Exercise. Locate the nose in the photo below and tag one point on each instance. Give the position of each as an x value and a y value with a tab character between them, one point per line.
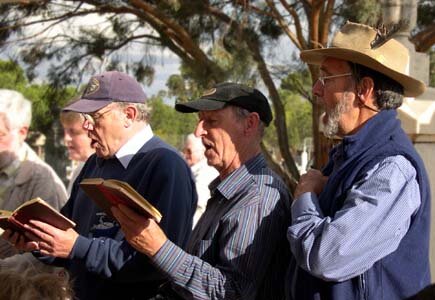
199	130
317	89
67	137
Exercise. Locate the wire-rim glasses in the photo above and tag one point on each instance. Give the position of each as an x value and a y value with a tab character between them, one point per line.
91	118
323	78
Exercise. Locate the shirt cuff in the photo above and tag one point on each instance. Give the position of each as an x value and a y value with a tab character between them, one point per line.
169	259
80	248
306	204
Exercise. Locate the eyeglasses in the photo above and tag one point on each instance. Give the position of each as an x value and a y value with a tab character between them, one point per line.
323	78
90	119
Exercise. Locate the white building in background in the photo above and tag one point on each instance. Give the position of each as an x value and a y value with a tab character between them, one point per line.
417	115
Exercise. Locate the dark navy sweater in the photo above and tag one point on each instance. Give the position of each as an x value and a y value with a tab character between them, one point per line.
102	264
401	273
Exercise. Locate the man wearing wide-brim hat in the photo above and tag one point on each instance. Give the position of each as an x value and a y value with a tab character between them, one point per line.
360	228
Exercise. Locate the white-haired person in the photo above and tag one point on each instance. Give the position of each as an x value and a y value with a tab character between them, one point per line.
203	174
23	175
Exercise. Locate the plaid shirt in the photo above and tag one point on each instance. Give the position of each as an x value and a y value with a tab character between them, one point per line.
238	249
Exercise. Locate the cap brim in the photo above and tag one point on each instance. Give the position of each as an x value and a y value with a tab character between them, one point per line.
198	105
86	105
412	87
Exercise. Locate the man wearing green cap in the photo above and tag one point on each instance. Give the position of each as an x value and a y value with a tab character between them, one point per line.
360	228
237	250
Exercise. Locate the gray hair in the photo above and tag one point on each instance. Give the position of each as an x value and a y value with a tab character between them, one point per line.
388	92
17	110
242	113
144	110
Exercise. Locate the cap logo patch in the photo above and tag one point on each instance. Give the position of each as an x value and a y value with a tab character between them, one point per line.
93	86
209	92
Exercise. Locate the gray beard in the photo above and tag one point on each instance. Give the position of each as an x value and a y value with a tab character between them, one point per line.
331	127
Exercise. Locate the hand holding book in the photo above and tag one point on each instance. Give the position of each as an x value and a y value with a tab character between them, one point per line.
34	209
110	192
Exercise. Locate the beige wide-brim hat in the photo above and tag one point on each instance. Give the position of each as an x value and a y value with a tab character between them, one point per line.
352	43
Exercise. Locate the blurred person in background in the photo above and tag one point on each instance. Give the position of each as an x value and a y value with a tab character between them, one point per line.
23	277
203	174
76	141
23	175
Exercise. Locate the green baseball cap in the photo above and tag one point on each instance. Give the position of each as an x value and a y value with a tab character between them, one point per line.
229	93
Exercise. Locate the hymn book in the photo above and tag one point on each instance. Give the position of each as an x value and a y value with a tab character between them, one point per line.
34	209
111	192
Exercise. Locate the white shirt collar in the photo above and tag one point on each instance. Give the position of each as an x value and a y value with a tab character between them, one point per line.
129	149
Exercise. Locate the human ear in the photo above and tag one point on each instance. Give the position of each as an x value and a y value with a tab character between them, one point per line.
365	89
252	122
23	132
130	114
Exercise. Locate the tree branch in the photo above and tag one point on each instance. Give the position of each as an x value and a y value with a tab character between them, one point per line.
284	26
298	25
424	39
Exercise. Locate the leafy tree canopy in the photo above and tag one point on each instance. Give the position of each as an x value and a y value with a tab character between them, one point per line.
215	40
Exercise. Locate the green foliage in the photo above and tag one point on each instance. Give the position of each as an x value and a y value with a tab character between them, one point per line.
425	12
361	11
298	117
12	76
298	113
46	102
46	105
170	125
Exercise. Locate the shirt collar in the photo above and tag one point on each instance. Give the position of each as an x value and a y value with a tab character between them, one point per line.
129	149
199	166
239	178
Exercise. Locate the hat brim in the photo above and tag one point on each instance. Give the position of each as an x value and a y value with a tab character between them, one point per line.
412	87
198	105
87	105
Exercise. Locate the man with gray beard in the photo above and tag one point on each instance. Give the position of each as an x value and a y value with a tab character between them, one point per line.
360	227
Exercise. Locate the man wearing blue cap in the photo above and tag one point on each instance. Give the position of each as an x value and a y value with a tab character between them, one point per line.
102	264
237	249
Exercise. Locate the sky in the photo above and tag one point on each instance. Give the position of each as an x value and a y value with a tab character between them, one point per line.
165	62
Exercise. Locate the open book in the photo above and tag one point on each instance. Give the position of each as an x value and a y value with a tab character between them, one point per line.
110	192
34	209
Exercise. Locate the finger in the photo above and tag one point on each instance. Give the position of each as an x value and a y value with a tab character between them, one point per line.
125	222
25	245
43	227
129	213
45	247
7	234
119	215
14	238
45	252
131	216
34	234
